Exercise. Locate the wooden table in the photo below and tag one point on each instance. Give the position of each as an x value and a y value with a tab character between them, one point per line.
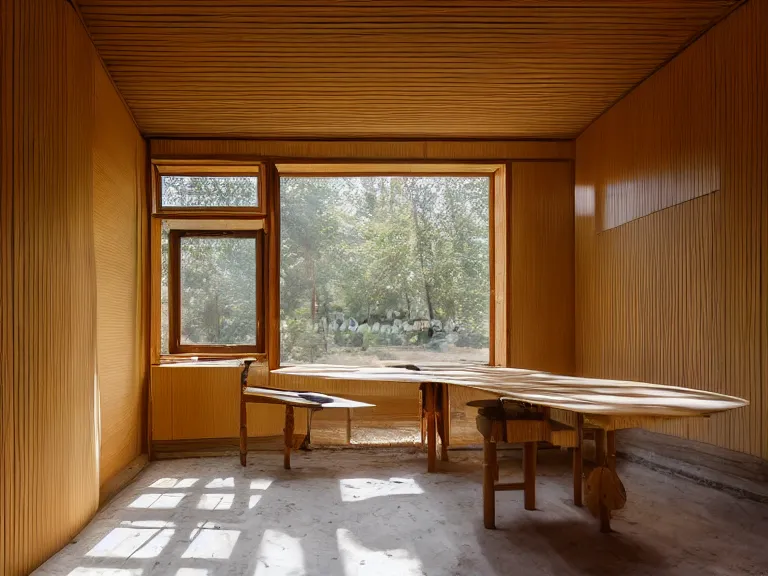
599	405
291	399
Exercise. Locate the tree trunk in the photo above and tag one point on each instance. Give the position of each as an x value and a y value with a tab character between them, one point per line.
420	249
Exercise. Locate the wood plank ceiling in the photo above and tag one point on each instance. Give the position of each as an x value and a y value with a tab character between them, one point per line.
391	68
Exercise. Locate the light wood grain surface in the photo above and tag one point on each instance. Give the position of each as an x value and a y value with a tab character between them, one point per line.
49	471
585	395
119	212
457	68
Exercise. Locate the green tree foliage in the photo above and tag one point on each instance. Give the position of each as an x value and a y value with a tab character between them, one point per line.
371	267
218	290
383	267
193	191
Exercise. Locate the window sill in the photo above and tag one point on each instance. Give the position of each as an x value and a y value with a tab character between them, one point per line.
211	359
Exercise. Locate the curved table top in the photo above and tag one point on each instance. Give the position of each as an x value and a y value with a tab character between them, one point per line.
584	395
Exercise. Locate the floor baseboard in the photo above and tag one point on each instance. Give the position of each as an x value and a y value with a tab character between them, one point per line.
739	474
111	487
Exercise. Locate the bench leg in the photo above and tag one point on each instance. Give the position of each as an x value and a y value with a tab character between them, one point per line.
578	462
288	437
489	490
529	474
243	433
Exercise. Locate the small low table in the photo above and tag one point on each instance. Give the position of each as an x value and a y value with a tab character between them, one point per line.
313	401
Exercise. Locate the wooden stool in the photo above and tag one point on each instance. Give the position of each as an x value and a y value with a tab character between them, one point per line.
514	423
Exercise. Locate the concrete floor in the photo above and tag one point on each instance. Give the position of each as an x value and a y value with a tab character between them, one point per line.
376	512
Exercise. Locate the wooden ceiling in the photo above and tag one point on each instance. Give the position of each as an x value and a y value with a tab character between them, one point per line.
387	68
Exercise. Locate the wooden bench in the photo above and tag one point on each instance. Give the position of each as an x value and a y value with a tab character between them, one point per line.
312	401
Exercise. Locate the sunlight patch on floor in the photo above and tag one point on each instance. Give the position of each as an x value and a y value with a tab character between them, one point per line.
132	543
261	483
215	501
148	523
221	483
82	571
280	555
174	483
157	501
210	543
361	561
358	489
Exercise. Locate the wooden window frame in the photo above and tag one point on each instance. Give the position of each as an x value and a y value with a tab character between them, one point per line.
269	171
175	347
498	217
255	169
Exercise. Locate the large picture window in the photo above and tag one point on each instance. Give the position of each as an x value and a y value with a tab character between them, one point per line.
384	268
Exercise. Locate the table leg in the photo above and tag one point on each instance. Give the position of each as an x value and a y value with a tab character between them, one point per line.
444	419
600	447
578	462
288	437
610	457
529	474
600	457
429	391
349	425
489	490
243	432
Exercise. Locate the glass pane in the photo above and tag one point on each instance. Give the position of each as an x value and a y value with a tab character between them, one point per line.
218	290
164	316
210	191
384	269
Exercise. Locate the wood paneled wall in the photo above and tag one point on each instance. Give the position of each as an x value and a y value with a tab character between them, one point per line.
671	205
120	227
7	24
49	425
58	120
541	269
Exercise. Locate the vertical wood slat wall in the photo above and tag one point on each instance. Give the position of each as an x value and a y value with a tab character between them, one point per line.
49	448
119	215
671	208
541	271
49	422
6	275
